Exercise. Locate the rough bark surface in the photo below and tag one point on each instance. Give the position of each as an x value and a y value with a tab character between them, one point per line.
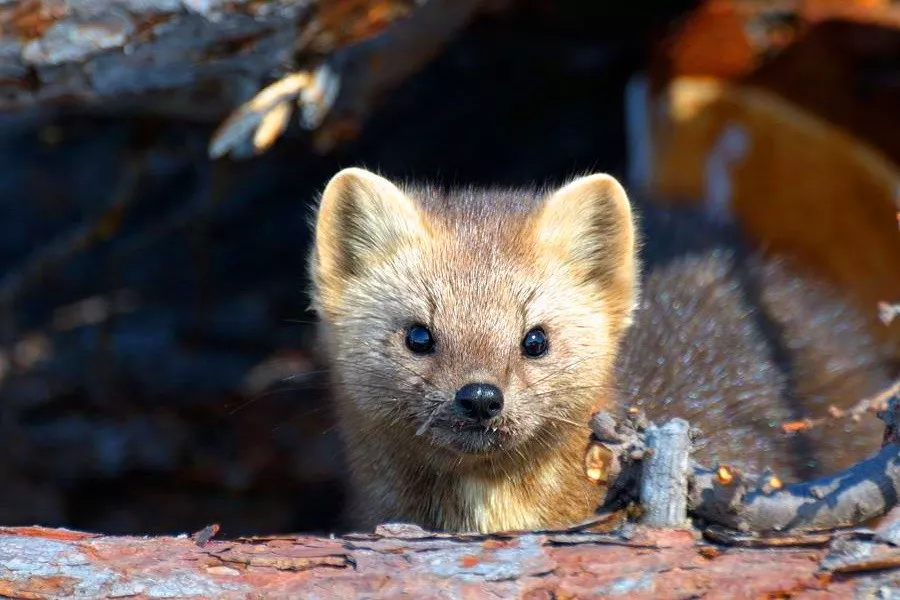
51	50
399	560
664	478
61	51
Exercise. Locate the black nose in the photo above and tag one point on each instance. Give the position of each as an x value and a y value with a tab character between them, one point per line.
479	401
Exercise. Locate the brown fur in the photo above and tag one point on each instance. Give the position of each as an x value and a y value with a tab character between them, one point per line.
480	269
736	343
739	343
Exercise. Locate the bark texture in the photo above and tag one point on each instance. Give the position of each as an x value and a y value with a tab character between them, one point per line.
400	560
54	50
726	498
200	59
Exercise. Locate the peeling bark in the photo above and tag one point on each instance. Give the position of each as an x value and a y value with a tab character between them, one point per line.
403	560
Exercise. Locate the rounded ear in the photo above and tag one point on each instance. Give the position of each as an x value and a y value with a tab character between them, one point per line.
362	219
588	224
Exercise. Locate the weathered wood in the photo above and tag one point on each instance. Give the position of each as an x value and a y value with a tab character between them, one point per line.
202	59
724	497
403	561
664	476
398	559
56	50
339	92
849	498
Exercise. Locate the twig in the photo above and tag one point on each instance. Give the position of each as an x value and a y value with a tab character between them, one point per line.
725	497
872	404
202	537
334	96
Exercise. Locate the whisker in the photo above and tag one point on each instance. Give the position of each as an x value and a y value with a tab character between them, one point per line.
258	396
301	321
397	362
560	371
562	420
430	419
578	388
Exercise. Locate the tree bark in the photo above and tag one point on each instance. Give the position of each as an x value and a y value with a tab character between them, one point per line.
655	460
57	50
664	476
404	560
202	58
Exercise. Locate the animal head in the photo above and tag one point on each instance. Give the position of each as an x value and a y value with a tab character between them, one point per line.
473	322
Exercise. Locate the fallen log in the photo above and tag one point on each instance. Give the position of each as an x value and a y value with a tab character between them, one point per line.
202	59
623	453
403	561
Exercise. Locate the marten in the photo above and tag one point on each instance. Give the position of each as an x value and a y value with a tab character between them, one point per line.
472	333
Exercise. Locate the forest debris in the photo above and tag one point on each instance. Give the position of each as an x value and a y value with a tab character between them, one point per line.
655	565
204	535
200	62
724	475
402	559
872	404
766	507
597	462
664	475
729	537
887	312
860	551
769	483
343	87
848	498
297	559
617	465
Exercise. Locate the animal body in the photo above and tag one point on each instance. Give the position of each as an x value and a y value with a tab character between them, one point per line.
471	333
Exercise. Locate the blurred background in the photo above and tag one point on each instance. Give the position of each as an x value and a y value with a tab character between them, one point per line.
158	370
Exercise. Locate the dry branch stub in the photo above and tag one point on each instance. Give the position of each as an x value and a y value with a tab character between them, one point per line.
337	91
727	499
327	58
664	476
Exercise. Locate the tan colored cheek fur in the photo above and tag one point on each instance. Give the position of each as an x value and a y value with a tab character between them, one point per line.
473	262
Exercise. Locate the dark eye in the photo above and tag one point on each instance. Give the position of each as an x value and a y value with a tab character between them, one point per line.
419	339
535	343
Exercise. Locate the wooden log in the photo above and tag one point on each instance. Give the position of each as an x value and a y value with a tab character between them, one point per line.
404	561
201	59
65	51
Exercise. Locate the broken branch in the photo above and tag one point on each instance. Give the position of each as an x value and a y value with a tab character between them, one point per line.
870	405
335	95
725	497
665	474
196	60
